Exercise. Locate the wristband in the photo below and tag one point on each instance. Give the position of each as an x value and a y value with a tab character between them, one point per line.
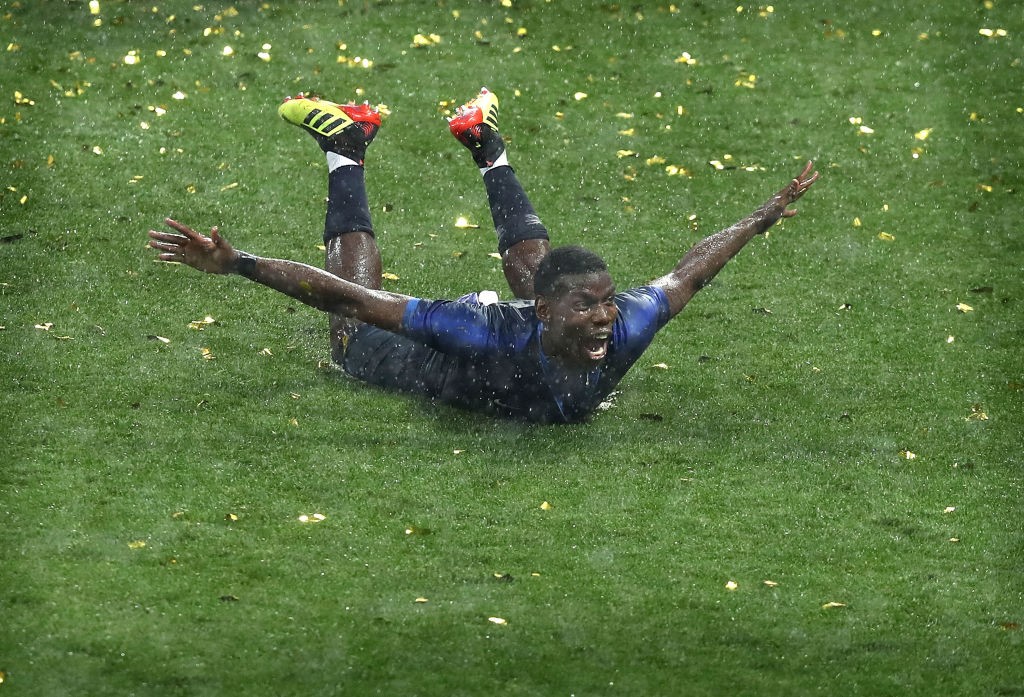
245	265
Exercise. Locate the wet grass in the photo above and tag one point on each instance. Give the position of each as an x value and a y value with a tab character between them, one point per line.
832	436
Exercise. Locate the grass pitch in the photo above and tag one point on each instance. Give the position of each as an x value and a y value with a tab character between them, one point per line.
811	484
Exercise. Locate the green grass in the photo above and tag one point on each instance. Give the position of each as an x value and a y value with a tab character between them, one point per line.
773	448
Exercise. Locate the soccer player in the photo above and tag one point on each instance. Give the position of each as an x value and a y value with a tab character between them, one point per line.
552	355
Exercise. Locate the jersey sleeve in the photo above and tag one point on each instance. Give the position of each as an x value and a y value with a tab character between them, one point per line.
642	312
450	327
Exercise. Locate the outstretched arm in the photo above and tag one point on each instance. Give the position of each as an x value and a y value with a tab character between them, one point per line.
310	285
707	257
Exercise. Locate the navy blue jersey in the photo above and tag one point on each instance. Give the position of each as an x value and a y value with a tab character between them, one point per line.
489	357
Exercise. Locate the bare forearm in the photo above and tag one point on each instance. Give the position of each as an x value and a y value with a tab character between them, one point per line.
706	258
322	290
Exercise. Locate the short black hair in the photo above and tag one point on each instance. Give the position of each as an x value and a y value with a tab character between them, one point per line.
570	260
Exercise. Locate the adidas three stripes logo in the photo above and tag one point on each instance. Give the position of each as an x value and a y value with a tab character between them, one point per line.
321	122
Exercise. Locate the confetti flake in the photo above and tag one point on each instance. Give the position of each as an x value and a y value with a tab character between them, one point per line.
462	222
923	134
770	584
137	544
964	308
421	599
747	80
908	455
731	586
425	40
545	506
497	620
314	518
201	324
390	276
977	413
886	237
832	605
949	509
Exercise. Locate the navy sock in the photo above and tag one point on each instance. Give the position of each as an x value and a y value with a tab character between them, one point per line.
513	215
348	208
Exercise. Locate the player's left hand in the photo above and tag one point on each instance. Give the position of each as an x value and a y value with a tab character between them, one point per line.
212	254
796	188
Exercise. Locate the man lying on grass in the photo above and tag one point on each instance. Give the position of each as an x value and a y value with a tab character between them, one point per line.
552	355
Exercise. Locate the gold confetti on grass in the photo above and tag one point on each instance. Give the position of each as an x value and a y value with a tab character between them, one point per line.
545	506
731	586
201	324
832	605
862	128
908	455
462	222
137	544
949	509
770	584
425	40
746	80
313	518
977	413
964	308
497	620
886	237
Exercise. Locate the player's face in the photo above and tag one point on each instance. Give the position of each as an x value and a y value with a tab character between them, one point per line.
578	320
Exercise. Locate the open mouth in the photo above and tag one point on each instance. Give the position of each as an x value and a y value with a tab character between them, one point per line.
596	348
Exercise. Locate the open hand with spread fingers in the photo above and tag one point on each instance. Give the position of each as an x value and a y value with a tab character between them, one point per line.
212	254
796	188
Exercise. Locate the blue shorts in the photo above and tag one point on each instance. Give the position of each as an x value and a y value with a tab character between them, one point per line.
392	361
